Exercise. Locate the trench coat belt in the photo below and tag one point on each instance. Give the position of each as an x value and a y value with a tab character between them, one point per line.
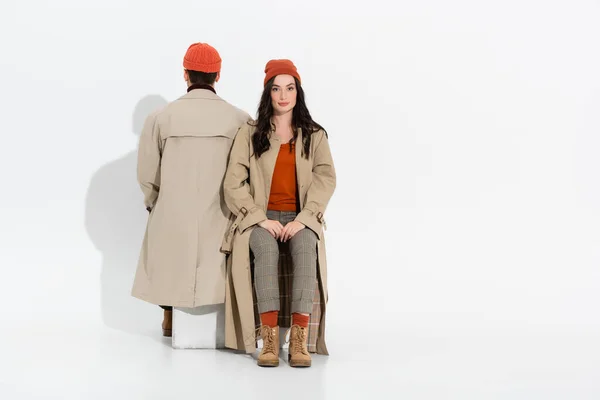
228	239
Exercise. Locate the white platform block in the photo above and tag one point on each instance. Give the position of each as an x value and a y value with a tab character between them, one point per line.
199	328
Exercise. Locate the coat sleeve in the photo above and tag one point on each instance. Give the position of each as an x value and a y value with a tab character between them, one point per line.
236	187
149	157
322	187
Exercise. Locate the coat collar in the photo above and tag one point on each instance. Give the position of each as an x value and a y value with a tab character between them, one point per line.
201	94
201	86
276	143
274	138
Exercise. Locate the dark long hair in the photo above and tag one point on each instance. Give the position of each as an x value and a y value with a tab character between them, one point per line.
300	119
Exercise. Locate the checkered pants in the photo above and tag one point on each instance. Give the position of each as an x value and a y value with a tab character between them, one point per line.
303	250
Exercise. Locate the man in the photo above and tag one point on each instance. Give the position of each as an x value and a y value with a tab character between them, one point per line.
182	159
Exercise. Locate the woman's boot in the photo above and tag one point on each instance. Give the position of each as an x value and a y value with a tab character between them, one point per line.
299	356
269	355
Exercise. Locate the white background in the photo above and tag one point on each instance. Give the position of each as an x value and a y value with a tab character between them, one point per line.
463	238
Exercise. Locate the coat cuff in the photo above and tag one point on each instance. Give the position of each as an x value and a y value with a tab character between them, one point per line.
242	221
251	218
312	221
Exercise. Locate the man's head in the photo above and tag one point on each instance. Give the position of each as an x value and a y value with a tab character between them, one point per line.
202	64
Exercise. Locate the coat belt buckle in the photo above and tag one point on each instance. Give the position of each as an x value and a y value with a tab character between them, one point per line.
321	220
320	217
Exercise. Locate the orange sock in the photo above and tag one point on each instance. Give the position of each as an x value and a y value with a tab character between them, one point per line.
270	318
301	320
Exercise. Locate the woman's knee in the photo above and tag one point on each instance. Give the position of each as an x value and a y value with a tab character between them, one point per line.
304	239
262	241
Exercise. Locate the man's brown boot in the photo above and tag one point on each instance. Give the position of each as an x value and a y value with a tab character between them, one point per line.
167	324
269	355
299	356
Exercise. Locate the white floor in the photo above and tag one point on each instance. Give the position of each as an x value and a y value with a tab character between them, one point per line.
367	362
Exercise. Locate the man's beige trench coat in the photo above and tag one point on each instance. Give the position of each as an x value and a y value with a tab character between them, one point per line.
247	187
182	159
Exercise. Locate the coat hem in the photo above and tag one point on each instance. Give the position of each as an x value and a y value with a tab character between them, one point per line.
165	302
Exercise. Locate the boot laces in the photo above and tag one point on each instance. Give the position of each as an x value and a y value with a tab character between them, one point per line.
268	337
298	341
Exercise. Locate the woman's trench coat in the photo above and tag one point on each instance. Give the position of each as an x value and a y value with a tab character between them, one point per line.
247	186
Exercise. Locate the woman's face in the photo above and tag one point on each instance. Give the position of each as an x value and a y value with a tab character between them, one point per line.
283	94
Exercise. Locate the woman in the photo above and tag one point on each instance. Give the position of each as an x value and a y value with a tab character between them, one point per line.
278	182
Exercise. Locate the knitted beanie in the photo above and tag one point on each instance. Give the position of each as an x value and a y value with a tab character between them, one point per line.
280	67
202	57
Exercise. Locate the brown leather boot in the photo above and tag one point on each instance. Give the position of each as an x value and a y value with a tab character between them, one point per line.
167	324
269	355
298	351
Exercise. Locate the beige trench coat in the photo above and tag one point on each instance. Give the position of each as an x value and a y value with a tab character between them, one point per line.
182	159
247	187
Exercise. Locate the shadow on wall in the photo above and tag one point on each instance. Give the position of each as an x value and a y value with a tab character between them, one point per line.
115	221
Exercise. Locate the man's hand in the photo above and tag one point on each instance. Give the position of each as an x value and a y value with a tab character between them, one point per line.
291	229
274	227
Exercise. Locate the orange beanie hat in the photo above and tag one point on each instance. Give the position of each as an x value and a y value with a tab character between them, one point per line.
202	57
280	67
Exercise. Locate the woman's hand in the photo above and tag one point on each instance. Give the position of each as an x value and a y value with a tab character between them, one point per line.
291	229
274	227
